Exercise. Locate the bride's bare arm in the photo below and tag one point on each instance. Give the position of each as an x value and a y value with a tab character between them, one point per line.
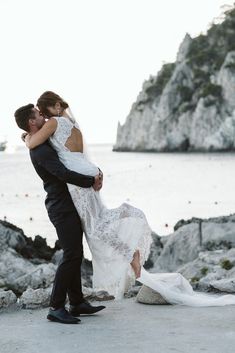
42	135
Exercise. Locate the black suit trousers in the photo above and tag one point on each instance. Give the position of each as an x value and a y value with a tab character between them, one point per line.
68	275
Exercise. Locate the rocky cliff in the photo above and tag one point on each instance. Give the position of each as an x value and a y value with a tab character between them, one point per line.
190	104
202	250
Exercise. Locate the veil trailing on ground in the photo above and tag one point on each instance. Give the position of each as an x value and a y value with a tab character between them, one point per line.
175	289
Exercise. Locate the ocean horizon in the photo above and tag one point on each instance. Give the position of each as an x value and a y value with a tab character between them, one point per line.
168	187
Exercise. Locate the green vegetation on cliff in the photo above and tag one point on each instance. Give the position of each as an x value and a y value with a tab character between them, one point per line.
211	49
205	55
158	84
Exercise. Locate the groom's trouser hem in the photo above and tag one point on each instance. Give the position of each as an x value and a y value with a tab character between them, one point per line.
68	275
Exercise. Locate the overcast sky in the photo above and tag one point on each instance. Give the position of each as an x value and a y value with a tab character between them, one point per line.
94	53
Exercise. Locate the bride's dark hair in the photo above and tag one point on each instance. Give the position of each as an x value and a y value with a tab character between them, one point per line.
49	99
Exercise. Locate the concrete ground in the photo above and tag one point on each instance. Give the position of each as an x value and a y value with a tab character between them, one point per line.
123	327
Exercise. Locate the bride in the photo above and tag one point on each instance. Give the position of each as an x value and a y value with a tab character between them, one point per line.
119	239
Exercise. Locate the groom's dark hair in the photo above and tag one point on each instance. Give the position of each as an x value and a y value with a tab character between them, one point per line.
22	116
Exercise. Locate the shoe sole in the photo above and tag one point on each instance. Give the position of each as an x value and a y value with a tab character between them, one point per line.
54	319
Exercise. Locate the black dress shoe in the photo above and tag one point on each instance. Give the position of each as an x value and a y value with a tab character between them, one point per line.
84	308
62	315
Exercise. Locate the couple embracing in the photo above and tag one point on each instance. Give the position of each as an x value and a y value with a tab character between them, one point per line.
119	239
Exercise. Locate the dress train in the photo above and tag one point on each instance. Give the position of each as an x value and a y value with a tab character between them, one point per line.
175	289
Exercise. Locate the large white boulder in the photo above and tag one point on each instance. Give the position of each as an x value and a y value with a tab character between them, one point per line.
35	298
7	299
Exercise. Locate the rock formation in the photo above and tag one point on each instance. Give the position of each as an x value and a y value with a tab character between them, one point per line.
189	105
27	269
202	250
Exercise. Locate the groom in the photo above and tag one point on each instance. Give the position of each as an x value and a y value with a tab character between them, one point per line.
63	215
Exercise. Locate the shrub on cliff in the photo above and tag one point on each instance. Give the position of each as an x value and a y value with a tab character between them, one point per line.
161	80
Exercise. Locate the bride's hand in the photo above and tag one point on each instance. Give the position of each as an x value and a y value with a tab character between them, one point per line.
101	177
98	183
26	138
101	180
23	136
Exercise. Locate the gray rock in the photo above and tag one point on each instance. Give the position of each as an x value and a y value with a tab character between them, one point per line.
86	272
155	250
206	121
227	80
35	298
217	256
92	295
19	269
204	284
147	295
132	292
18	273
11	237
220	219
40	277
203	251
56	258
181	247
195	270
208	266
13	266
218	235
7	299
224	285
36	250
184	47
2	283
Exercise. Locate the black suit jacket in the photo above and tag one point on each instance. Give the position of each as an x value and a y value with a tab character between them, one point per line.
55	176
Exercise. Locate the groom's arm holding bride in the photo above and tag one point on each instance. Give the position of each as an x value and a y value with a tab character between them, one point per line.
46	157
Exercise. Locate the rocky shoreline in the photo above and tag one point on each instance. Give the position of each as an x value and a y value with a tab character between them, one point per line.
202	250
27	270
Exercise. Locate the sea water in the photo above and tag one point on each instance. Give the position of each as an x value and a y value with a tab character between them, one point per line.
166	186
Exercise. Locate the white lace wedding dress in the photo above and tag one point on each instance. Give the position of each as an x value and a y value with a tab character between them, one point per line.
113	235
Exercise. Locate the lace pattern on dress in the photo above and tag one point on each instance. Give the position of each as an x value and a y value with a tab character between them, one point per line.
62	133
103	224
111	233
107	229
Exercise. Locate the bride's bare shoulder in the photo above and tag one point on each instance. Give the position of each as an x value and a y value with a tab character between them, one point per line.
52	122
